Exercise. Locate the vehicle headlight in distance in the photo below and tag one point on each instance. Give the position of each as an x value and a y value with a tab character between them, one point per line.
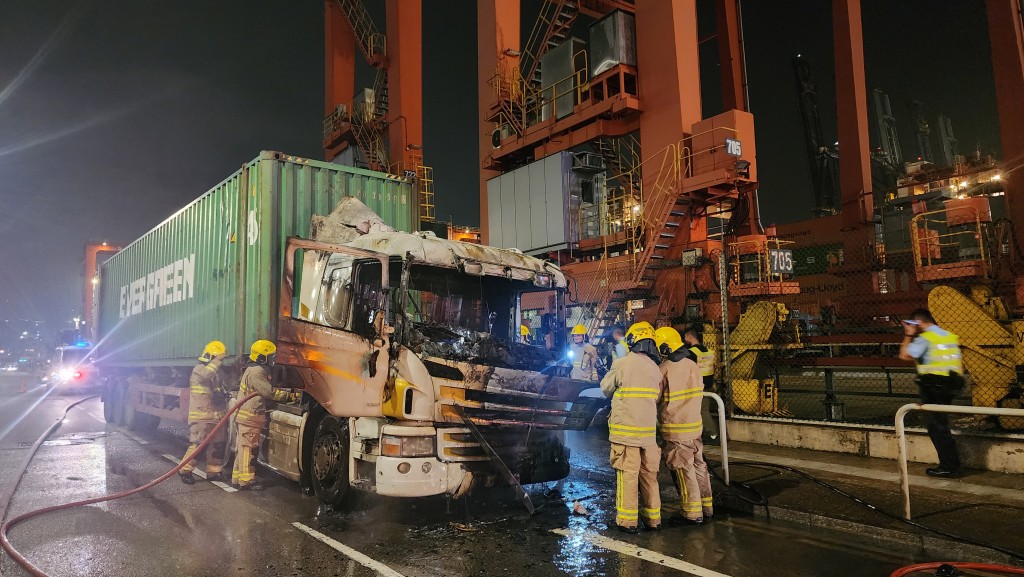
66	374
394	446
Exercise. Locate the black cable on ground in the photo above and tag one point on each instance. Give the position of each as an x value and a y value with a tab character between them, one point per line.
858	500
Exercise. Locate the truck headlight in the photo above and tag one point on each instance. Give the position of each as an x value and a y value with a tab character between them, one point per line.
393	446
66	374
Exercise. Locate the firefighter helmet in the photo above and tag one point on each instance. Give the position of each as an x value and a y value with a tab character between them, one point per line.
211	350
262	351
638	332
668	340
579	330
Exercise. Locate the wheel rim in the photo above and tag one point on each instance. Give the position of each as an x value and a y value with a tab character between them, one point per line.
327	452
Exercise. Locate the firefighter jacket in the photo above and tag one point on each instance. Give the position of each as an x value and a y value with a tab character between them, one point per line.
584	361
256	379
681	401
634	384
206	398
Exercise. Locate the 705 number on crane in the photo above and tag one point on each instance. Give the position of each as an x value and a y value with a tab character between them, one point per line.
780	261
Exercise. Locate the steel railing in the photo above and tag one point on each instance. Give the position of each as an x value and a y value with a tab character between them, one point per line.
722	433
901	435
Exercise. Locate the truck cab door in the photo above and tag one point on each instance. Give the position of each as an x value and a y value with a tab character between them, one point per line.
333	327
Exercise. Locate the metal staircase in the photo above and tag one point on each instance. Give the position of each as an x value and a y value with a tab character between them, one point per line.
551	29
368	39
620	156
663	213
368	128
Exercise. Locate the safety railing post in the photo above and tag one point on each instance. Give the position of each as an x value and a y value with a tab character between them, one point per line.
723	282
901	435
723	434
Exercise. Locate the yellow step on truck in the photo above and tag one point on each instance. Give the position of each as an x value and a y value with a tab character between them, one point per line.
407	346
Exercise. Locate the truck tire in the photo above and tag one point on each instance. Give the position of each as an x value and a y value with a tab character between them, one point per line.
116	397
329	461
111	413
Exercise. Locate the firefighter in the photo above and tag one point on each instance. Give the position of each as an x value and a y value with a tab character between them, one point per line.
681	427
252	416
705	360
582	355
524	334
207	402
634	384
939	379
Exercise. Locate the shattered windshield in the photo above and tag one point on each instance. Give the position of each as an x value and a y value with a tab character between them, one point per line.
475	318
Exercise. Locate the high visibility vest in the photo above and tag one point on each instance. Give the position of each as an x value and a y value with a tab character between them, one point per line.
943	355
705	361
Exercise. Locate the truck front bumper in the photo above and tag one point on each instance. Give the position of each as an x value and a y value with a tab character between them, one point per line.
423	476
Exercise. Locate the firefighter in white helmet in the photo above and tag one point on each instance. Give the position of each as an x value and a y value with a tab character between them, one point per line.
635	385
681	426
252	416
582	355
207	402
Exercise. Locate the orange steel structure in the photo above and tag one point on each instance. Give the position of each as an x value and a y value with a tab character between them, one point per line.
94	256
678	176
389	128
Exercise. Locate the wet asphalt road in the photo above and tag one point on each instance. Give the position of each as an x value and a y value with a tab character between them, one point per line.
203	530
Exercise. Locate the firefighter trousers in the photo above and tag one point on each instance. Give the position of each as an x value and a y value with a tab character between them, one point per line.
689	471
636	471
214	451
246	445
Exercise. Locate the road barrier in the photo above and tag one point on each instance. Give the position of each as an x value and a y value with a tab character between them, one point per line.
901	435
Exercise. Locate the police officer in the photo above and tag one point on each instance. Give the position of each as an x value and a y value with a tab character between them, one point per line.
252	415
705	360
582	355
939	379
681	427
634	384
207	402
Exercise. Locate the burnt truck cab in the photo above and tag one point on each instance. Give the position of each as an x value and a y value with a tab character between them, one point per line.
416	382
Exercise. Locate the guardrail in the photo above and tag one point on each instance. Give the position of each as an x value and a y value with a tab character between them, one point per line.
901	435
723	435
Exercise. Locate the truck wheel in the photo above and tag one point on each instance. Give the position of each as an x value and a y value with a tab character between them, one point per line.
116	400
134	420
110	411
329	461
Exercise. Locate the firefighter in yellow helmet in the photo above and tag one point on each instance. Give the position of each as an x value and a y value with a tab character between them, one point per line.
207	402
681	426
634	384
252	416
582	355
524	334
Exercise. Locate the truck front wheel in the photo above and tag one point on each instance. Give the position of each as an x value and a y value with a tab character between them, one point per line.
329	461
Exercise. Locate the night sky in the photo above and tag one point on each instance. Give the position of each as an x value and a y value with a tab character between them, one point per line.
115	114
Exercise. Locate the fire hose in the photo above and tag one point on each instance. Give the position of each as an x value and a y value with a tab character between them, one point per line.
7	526
949	569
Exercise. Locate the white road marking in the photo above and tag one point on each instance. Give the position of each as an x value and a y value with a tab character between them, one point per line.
133	436
202	474
641	553
351	553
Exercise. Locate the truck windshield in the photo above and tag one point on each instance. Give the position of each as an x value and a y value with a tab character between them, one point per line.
479	319
448	298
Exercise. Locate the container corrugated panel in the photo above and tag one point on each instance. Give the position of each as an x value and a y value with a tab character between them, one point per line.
213	269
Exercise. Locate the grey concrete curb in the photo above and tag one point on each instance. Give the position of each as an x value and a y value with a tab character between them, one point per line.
939	546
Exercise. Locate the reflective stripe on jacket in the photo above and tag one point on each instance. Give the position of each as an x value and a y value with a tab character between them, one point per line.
681	401
705	360
634	384
942	356
256	379
203	407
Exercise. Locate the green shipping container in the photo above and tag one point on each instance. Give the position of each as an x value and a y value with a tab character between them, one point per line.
213	269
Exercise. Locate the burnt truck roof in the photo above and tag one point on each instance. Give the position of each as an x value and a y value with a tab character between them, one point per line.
424	246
